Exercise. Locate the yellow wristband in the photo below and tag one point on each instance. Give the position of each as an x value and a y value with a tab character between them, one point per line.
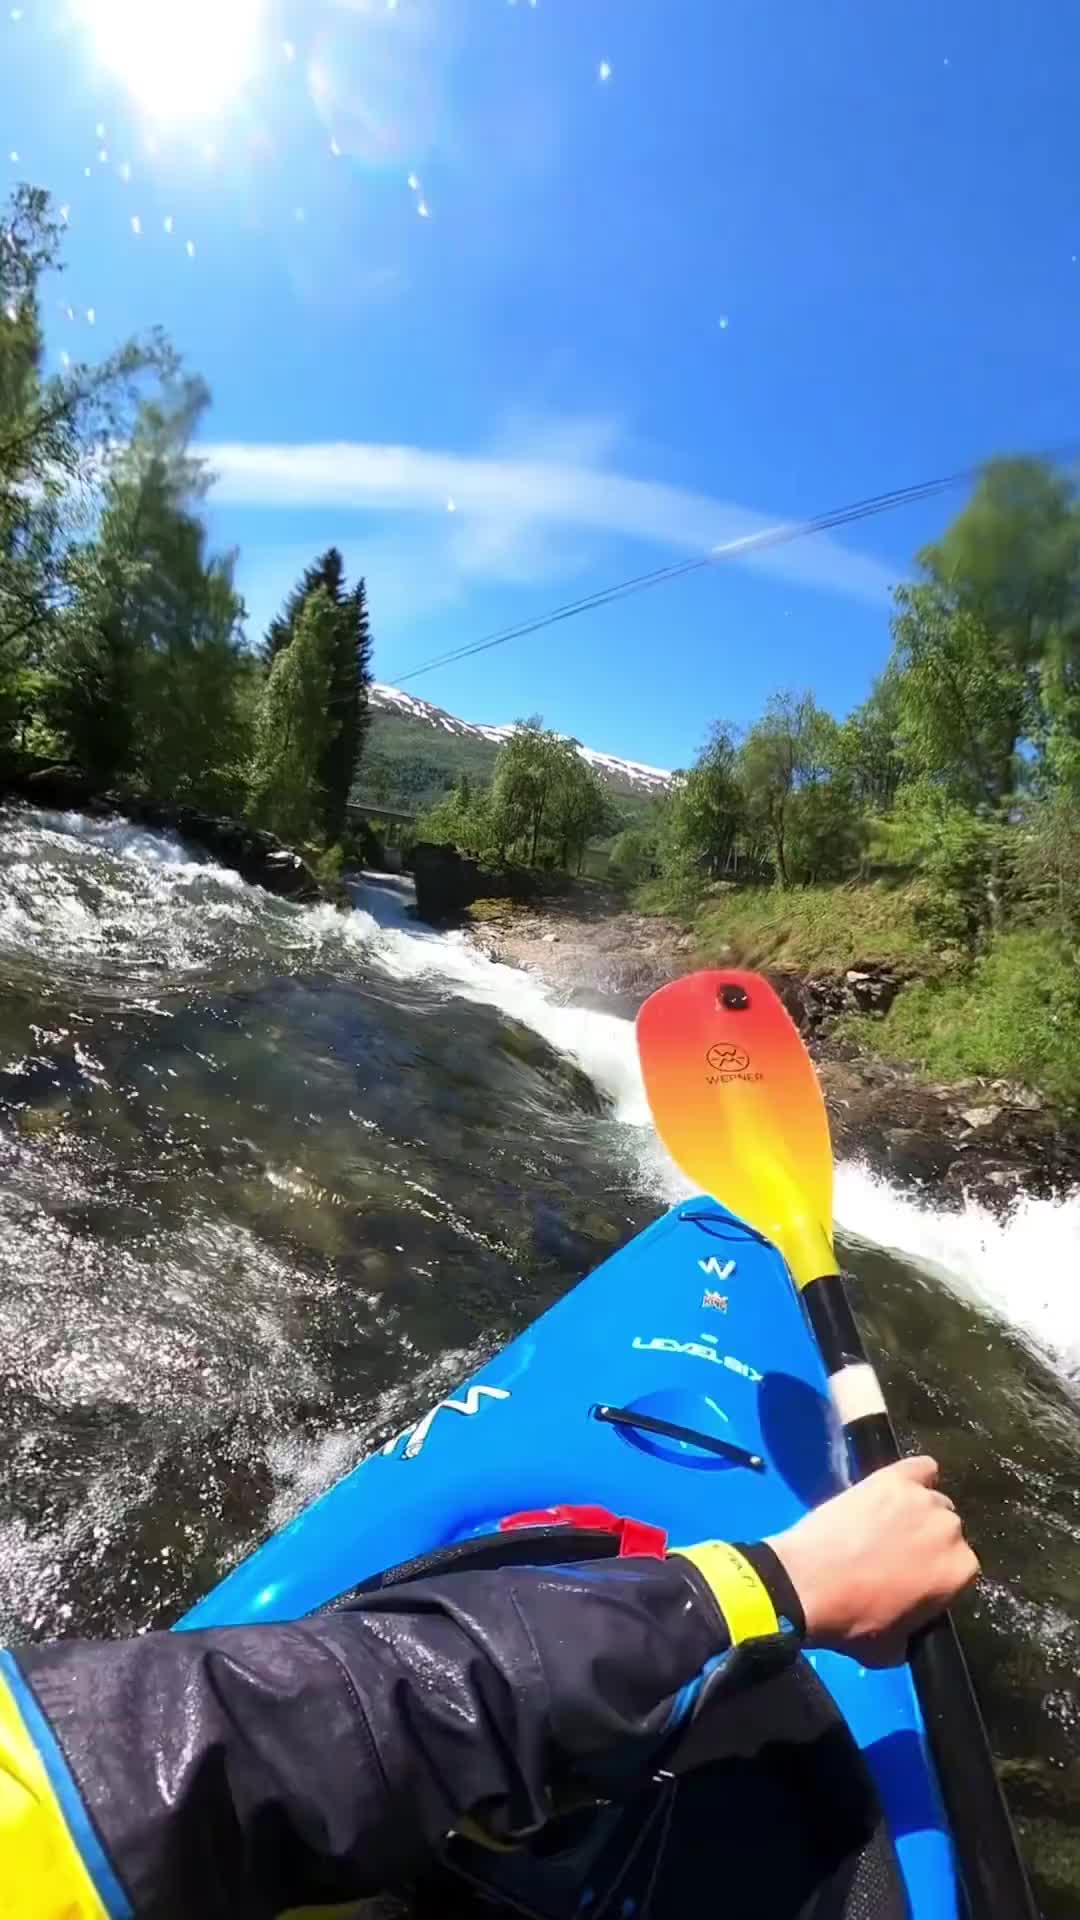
741	1595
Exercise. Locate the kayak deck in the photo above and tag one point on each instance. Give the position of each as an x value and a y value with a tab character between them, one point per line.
679	1384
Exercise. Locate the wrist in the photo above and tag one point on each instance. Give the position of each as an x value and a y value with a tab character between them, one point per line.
798	1569
750	1585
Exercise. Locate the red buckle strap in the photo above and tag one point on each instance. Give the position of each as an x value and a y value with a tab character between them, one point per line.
635	1536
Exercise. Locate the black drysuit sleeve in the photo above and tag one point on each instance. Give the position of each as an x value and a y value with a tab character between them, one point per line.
237	1773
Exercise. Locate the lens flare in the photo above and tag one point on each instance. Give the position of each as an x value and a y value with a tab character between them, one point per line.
181	59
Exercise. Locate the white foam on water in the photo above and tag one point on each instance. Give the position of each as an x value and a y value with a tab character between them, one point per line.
1021	1267
602	1044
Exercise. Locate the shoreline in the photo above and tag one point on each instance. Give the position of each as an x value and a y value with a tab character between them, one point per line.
983	1140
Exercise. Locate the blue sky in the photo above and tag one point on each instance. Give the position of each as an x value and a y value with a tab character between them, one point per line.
620	279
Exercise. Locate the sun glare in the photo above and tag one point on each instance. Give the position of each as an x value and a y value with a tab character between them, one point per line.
181	59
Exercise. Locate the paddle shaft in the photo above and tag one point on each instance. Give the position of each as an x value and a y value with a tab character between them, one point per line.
992	1871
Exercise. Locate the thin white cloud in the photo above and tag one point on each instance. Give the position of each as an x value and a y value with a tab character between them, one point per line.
501	502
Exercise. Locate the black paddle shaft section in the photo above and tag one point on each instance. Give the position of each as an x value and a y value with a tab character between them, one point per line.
994	1880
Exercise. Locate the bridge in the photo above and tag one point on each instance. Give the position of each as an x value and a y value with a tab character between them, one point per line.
385	816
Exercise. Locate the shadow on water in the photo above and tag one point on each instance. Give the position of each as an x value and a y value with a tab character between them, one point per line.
273	1178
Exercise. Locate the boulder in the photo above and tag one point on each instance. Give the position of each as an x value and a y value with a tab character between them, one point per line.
446	882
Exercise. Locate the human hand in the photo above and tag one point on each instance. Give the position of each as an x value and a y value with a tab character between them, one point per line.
877	1562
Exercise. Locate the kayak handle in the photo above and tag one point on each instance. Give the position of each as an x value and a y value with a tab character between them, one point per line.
670	1430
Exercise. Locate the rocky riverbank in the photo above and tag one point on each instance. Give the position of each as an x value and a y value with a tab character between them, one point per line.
986	1140
257	857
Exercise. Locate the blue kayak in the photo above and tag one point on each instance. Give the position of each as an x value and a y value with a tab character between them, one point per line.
678	1384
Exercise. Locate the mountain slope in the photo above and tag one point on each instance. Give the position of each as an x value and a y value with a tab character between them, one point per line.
415	751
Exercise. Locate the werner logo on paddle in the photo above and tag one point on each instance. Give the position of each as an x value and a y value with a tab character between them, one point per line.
728	1062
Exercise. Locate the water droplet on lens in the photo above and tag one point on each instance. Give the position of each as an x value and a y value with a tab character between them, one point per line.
423	210
724	322
91	316
168	223
136	225
191	249
414	182
604	70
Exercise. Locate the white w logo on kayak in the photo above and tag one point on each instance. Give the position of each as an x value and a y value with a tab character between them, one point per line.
415	1436
717	1269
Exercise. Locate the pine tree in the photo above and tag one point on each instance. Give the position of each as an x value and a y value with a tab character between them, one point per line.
350	677
291	735
349	682
327	572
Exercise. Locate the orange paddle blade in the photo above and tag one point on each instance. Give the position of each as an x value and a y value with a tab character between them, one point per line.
737	1104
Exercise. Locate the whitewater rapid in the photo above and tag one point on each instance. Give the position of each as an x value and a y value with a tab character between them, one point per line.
1019	1268
138	904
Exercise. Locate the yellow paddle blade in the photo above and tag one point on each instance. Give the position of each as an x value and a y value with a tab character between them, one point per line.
737	1104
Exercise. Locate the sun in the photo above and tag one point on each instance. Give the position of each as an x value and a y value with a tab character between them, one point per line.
181	59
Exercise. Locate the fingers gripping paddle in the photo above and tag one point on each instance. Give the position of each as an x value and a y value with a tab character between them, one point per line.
737	1104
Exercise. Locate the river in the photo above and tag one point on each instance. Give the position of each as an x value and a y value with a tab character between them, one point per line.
273	1177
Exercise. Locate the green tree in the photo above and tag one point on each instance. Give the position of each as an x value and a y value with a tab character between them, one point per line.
350	677
701	822
582	810
633	856
292	725
868	749
462	819
56	432
328	572
529	771
988	644
149	679
788	755
964	697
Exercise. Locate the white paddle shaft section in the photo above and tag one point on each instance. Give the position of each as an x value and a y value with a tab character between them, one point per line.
856	1392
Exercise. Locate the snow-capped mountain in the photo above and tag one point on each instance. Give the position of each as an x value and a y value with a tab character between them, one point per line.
632	775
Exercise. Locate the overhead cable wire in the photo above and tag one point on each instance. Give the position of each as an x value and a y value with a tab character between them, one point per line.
778	535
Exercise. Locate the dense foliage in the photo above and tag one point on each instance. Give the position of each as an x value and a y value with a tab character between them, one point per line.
122	648
544	805
957	784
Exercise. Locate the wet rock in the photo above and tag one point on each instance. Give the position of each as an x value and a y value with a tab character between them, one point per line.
1015	1096
917	1158
448	883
